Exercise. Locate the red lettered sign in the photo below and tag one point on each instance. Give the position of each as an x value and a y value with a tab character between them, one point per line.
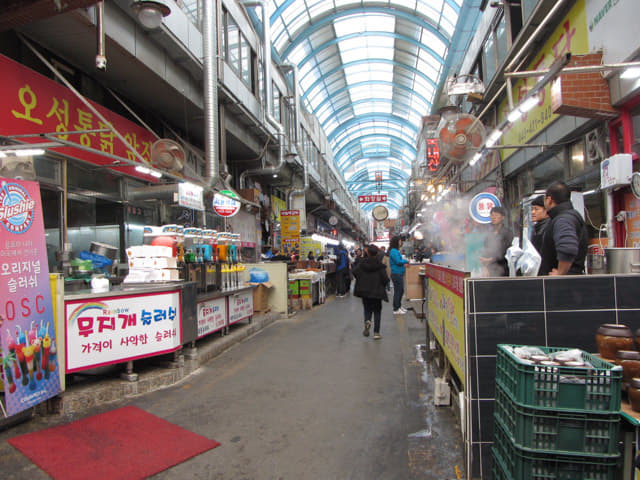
372	198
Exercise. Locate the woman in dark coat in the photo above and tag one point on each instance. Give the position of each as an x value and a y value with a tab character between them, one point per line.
371	278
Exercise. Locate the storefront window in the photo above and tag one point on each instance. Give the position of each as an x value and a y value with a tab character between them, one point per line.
501	39
245	51
548	172
489	58
233	44
527	8
576	159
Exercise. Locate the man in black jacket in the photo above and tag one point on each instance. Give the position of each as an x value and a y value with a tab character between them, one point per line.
565	243
541	219
371	279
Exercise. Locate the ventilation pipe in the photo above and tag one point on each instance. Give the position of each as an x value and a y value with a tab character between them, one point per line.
268	93
296	132
210	47
101	58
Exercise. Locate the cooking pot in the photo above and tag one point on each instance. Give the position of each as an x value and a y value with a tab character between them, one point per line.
105	250
623	260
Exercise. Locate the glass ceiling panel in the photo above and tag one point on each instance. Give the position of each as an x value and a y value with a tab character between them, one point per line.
368	70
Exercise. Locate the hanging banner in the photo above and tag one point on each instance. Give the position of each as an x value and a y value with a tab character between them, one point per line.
190	196
371	198
28	339
290	229
33	103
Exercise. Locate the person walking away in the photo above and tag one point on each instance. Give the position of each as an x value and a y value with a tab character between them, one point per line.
565	243
342	270
371	279
541	222
496	244
397	263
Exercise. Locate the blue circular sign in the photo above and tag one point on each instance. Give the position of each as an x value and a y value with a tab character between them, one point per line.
481	205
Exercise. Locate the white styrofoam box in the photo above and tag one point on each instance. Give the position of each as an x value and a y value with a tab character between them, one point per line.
164	275
163	262
616	170
149	251
137	275
141	262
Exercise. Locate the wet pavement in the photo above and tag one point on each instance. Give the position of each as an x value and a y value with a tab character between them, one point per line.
305	397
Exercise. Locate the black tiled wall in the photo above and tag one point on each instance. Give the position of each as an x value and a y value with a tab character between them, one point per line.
547	311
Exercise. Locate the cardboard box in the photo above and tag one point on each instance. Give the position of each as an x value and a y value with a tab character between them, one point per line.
261	296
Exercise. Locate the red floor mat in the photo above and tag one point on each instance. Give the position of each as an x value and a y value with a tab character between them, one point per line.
127	443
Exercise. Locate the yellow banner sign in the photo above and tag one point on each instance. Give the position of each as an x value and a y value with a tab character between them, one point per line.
570	36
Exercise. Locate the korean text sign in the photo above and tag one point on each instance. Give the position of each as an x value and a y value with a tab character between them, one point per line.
102	331
32	103
445	302
29	359
240	306
212	316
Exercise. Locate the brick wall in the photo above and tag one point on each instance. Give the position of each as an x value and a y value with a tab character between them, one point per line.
583	94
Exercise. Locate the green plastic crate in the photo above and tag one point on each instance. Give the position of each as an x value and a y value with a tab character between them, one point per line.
498	470
594	388
519	464
557	431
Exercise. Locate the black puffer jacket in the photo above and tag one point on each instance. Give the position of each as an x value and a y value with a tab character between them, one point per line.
565	240
371	279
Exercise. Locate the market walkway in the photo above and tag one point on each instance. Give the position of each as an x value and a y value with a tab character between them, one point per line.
306	398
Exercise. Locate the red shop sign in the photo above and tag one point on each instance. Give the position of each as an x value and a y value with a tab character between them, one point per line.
32	103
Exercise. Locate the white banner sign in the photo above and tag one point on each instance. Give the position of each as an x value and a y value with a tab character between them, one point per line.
612	28
240	306
102	331
190	196
212	316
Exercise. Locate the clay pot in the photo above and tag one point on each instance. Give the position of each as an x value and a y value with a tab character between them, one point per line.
612	337
629	360
634	394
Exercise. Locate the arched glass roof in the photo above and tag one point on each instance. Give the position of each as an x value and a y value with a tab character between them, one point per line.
369	71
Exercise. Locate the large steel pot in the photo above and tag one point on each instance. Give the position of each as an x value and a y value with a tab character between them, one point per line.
104	249
623	260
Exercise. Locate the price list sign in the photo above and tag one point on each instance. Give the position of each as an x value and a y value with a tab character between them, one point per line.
28	339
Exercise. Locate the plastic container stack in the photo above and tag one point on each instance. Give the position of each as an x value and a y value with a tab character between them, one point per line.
555	418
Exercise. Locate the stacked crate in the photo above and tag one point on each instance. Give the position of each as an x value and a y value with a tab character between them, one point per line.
555	422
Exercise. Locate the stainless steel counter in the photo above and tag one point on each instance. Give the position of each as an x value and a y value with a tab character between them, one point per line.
134	288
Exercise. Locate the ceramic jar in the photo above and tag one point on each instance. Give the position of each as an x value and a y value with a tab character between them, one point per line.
634	394
612	337
629	360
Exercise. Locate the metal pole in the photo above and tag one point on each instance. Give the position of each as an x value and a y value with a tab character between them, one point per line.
570	70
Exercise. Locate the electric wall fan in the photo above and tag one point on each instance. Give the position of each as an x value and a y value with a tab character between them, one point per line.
167	154
460	136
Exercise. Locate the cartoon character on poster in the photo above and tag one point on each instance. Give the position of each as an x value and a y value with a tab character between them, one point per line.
27	332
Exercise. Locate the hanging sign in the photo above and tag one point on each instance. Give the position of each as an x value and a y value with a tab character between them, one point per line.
190	196
290	229
433	154
225	206
371	198
33	103
481	205
28	346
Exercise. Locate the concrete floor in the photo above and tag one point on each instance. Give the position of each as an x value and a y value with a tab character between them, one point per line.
308	397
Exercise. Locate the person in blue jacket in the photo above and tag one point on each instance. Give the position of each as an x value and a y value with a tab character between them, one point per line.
397	263
342	271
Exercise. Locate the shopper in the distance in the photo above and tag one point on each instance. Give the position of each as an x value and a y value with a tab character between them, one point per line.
371	279
397	263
